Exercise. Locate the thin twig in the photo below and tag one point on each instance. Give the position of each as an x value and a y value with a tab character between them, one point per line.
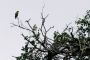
49	29
21	27
29	23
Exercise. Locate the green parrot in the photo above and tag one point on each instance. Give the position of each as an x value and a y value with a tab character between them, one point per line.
16	14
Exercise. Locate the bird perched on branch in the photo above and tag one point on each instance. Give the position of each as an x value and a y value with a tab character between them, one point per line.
16	14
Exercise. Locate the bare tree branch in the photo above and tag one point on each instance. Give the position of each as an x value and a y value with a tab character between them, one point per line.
21	27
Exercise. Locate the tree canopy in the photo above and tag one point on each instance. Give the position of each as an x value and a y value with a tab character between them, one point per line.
65	45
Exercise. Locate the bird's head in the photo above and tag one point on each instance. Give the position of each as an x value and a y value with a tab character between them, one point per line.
17	11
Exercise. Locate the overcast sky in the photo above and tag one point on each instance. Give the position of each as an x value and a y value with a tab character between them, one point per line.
61	12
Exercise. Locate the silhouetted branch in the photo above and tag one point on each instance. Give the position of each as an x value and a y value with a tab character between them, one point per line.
21	27
33	44
49	29
29	23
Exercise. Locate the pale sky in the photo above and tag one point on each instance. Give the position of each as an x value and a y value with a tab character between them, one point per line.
61	12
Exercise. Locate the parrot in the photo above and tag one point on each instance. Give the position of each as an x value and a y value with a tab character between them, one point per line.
16	14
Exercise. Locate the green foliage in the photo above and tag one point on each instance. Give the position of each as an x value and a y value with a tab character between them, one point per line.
61	38
84	23
70	44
